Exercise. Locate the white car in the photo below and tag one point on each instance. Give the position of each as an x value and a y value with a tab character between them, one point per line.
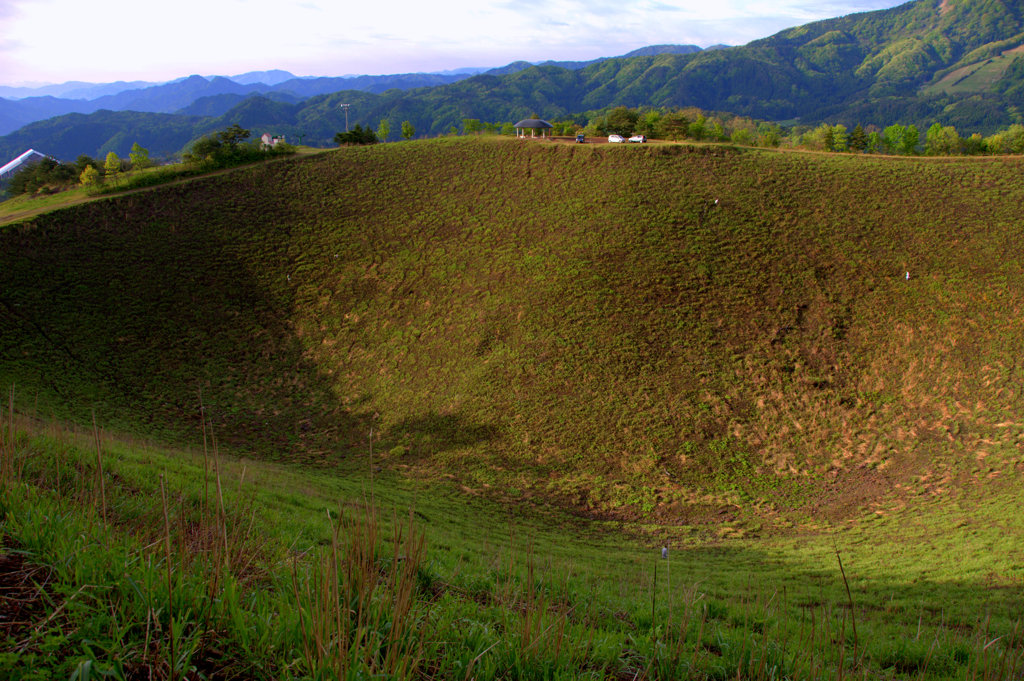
638	138
616	138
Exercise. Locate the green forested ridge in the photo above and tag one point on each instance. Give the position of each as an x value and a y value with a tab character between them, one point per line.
576	323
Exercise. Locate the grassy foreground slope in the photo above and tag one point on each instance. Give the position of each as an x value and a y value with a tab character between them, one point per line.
193	565
580	323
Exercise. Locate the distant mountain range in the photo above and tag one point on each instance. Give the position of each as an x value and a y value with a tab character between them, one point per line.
20	106
956	62
175	95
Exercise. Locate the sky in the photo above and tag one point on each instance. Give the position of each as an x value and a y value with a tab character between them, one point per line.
54	41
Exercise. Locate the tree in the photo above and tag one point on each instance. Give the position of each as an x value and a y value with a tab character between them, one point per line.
828	137
84	160
892	138
911	138
821	138
975	144
697	128
357	135
675	125
840	139
650	124
112	166
741	136
995	143
942	140
45	176
383	130
207	149
225	148
769	134
1011	140
407	130
874	142
621	121
233	136
858	139
139	157
89	177
471	126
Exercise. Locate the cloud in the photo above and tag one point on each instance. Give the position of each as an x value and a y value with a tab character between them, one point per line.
662	7
326	38
814	11
10	8
11	44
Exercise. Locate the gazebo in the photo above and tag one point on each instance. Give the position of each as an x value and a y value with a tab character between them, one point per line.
533	125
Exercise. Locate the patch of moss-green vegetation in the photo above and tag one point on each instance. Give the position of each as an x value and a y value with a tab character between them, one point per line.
976	77
15	208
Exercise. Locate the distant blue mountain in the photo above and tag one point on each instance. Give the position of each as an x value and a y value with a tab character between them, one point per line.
18	112
165	98
180	94
175	95
218	105
272	77
73	89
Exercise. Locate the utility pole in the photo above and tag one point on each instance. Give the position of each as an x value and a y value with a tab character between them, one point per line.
345	107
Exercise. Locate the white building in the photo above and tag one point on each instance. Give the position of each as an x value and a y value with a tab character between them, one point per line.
29	157
270	141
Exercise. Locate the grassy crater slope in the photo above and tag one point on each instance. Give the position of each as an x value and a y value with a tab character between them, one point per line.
577	323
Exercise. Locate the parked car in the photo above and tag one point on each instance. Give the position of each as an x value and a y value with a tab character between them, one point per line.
638	138
581	138
616	138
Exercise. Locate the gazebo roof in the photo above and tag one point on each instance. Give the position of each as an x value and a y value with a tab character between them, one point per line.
532	123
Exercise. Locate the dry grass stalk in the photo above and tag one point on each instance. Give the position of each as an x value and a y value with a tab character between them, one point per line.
849	600
99	469
170	583
355	614
7	443
222	524
206	457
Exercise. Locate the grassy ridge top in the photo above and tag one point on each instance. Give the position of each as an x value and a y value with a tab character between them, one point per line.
577	323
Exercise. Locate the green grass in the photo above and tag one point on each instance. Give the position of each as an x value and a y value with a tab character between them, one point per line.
979	77
18	205
503	591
